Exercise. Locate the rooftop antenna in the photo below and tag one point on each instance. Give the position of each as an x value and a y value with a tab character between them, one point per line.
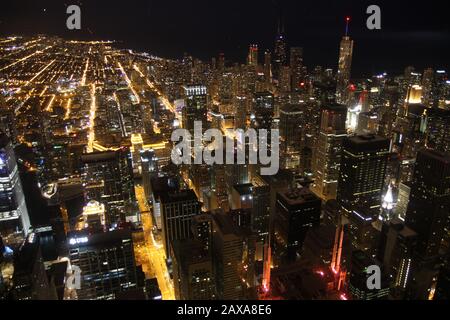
347	20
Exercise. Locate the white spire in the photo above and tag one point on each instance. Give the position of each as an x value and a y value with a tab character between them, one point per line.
388	200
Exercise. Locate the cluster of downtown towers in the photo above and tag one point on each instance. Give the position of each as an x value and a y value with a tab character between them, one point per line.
364	177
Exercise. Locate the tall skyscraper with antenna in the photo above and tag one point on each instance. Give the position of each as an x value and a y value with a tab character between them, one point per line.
344	66
280	55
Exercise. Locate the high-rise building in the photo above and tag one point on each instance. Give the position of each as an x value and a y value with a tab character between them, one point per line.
263	110
219	186
328	153
404	190
221	62
195	109
280	54
240	116
297	68
149	168
397	253
30	278
193	275
360	186
268	68
297	210
362	175
252	58
291	126
344	66
427	86
202	229
137	144
441	92
443	282
429	203
358	289
177	211
161	185
284	81
436	124
8	120
14	219
260	216
229	251
427	215
108	179
107	263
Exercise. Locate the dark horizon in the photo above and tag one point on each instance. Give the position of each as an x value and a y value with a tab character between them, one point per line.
411	34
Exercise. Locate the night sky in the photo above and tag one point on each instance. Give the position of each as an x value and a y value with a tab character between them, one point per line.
413	33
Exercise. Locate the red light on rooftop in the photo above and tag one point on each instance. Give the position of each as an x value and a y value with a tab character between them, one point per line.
347	18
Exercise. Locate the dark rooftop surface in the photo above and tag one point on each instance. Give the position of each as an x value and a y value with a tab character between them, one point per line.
366	143
243	189
297	196
183	195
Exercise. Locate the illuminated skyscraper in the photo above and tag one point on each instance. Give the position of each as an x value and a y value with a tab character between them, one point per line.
428	215
344	66
441	90
202	229
397	253
360	186
263	110
268	67
7	120
221	62
252	58
360	261
327	158
260	217
284	79
195	108
240	116
228	253
108	179
427	86
436	123
14	219
292	120
193	274
107	263
297	70
429	203
404	191
362	175
149	169
280	54
177	212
